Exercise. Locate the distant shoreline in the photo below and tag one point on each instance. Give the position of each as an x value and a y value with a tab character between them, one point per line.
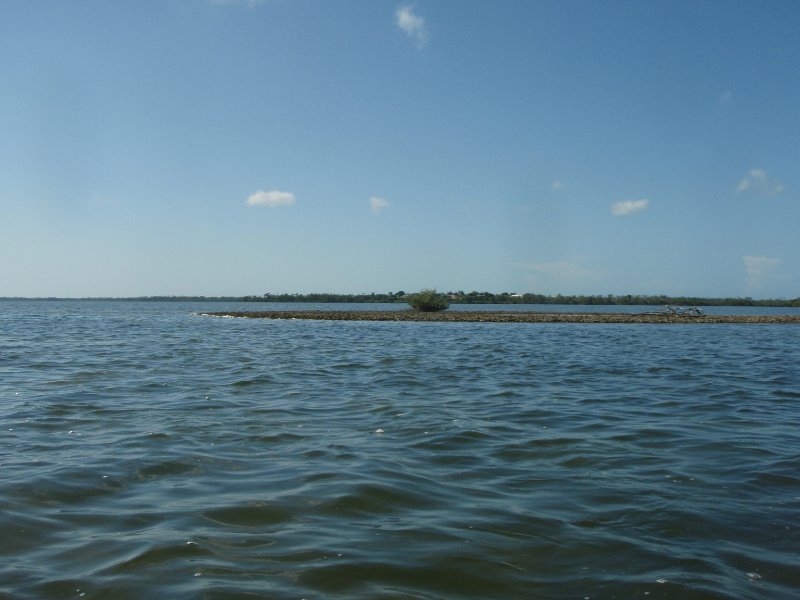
500	317
457	298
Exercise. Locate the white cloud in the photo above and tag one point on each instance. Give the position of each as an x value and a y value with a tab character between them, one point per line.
412	25
271	199
759	269
378	204
757	181
557	186
627	207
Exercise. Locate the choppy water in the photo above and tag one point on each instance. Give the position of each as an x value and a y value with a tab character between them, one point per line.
146	452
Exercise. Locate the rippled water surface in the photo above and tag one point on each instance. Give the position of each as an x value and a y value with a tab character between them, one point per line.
146	452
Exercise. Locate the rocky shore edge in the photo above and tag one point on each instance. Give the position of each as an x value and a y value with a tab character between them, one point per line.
502	317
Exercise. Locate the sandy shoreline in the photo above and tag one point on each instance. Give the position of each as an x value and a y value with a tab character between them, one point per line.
502	317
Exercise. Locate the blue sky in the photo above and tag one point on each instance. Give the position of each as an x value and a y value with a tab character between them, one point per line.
226	147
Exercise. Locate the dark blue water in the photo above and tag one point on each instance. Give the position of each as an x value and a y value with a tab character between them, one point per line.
146	452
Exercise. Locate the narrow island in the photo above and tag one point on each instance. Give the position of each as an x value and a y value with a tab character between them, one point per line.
505	316
430	305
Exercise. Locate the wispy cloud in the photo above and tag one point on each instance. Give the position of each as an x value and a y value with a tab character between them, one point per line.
378	204
271	199
560	276
627	207
557	186
759	269
757	182
248	3
725	97
412	25
98	199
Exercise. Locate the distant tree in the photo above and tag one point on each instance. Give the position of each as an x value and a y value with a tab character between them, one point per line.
428	301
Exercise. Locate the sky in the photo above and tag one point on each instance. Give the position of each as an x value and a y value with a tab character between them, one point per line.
232	147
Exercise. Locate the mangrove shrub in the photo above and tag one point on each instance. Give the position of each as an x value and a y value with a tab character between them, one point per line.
428	301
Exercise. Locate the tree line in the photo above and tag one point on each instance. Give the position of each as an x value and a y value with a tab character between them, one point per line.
461	297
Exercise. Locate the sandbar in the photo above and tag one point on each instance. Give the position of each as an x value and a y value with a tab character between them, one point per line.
503	316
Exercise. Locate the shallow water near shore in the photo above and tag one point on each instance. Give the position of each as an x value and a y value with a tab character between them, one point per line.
149	452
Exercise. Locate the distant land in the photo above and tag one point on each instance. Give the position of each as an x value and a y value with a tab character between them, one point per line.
460	297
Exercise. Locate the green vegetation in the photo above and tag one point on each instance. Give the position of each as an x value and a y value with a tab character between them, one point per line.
461	297
428	301
389	297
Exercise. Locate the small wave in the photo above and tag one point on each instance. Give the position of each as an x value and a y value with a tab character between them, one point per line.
158	555
254	514
168	468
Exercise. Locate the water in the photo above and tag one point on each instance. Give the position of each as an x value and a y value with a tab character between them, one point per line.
146	452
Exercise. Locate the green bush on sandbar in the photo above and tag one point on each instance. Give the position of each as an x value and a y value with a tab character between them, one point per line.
428	301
